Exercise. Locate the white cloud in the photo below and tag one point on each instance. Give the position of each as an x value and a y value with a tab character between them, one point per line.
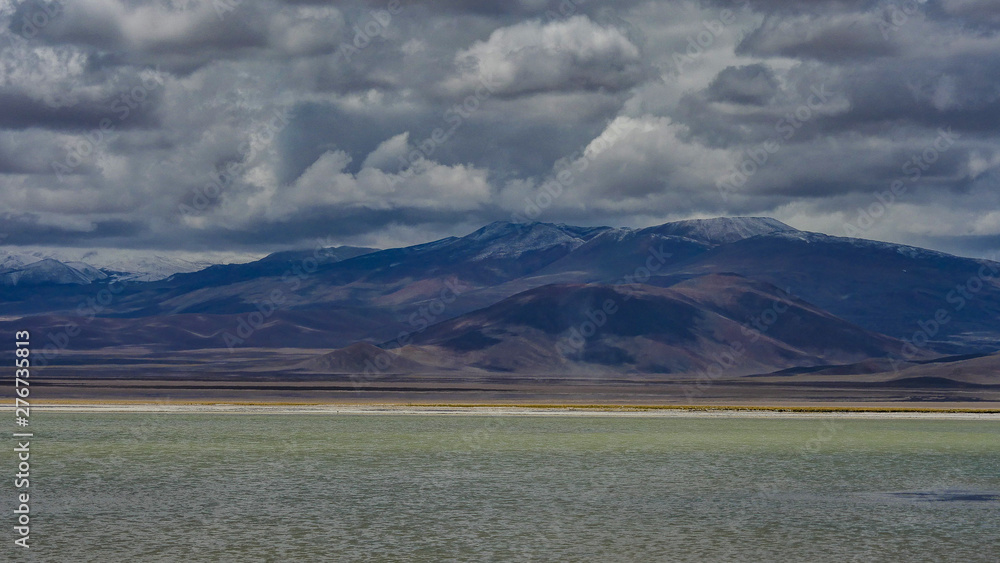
386	156
427	186
556	84
530	57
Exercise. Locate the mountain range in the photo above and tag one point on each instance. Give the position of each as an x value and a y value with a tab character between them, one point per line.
744	296
40	266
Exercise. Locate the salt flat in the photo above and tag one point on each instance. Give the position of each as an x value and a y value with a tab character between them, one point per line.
506	410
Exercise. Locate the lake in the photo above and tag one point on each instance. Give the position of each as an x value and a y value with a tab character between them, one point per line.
307	487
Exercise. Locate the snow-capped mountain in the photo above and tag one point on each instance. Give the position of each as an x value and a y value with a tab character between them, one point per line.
154	267
83	266
509	240
48	270
15	260
722	230
352	294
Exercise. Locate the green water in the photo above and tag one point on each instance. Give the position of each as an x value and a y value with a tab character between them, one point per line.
225	487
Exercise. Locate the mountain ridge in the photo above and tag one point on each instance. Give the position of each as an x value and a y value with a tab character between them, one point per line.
850	298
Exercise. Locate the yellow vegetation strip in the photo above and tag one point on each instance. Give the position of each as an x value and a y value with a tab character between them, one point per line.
537	406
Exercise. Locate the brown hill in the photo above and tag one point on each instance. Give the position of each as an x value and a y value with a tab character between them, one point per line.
719	323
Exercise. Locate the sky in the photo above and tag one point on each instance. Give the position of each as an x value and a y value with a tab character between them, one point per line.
237	125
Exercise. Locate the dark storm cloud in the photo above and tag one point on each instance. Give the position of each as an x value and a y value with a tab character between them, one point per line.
768	113
987	246
795	7
403	119
29	229
338	222
139	30
948	92
317	128
21	111
750	84
832	39
980	15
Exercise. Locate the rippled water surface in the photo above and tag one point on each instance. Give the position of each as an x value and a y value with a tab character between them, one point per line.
225	487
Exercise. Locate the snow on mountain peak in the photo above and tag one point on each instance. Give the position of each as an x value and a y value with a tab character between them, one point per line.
90	265
722	230
503	239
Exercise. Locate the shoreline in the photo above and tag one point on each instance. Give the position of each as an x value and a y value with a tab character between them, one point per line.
458	409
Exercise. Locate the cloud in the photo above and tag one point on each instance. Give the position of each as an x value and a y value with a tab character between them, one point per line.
974	13
532	57
390	155
549	82
751	84
426	185
832	38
